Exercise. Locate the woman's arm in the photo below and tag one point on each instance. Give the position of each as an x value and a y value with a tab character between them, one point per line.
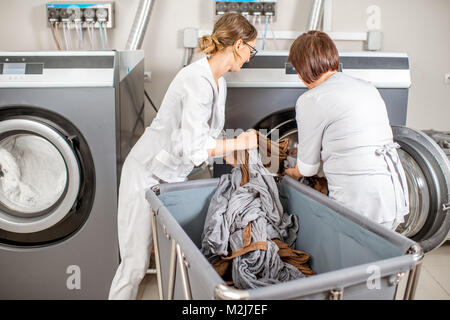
312	122
245	141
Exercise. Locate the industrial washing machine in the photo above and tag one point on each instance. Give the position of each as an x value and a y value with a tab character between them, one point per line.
263	96
67	121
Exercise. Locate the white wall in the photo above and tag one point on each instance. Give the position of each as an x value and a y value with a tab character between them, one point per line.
417	27
421	29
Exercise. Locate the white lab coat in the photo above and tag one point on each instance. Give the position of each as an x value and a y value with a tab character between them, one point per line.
343	123
191	117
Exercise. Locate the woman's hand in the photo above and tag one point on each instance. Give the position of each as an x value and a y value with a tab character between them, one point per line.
247	140
293	172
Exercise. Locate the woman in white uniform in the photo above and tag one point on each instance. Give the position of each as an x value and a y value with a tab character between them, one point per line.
182	136
343	123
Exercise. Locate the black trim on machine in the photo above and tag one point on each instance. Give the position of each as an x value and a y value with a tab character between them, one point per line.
279	62
34	68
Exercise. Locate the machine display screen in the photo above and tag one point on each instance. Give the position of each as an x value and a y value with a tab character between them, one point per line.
14	68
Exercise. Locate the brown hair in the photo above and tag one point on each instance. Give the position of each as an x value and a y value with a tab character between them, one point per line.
227	30
312	54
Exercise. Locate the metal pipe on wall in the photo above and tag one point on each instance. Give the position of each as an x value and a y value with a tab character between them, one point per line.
315	16
140	25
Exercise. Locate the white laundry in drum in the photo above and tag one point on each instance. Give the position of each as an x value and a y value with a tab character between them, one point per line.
33	174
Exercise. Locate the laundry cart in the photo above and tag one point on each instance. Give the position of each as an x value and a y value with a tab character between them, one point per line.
352	257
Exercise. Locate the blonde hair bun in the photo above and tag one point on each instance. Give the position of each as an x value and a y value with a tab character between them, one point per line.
227	30
209	44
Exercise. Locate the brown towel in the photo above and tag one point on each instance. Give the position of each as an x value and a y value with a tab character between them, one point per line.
297	258
221	265
269	151
319	184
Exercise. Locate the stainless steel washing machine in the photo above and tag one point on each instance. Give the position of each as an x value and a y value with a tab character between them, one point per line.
67	120
263	96
442	138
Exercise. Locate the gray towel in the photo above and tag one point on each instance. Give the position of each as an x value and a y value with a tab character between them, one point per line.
232	208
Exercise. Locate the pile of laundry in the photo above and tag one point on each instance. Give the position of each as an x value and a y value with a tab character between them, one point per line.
32	174
247	236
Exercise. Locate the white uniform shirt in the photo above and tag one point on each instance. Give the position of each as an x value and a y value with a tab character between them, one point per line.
191	117
344	123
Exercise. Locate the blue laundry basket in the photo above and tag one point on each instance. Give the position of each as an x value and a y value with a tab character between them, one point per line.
352	257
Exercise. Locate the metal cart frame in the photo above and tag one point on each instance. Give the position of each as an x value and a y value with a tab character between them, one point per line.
225	292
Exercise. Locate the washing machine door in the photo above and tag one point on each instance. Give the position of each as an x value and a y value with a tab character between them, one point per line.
39	176
427	171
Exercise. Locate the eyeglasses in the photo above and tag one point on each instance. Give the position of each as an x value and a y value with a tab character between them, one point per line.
253	51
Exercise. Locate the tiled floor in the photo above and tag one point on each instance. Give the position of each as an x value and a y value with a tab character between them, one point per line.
148	289
434	281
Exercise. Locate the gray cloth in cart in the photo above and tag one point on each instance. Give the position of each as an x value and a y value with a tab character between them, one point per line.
232	208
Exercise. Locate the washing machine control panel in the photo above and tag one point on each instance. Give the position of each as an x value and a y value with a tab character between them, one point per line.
57	69
20	68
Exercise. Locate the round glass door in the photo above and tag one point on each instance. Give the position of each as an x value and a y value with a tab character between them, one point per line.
33	175
419	196
39	176
427	171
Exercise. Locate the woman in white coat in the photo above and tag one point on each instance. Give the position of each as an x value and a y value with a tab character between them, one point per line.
182	136
343	123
